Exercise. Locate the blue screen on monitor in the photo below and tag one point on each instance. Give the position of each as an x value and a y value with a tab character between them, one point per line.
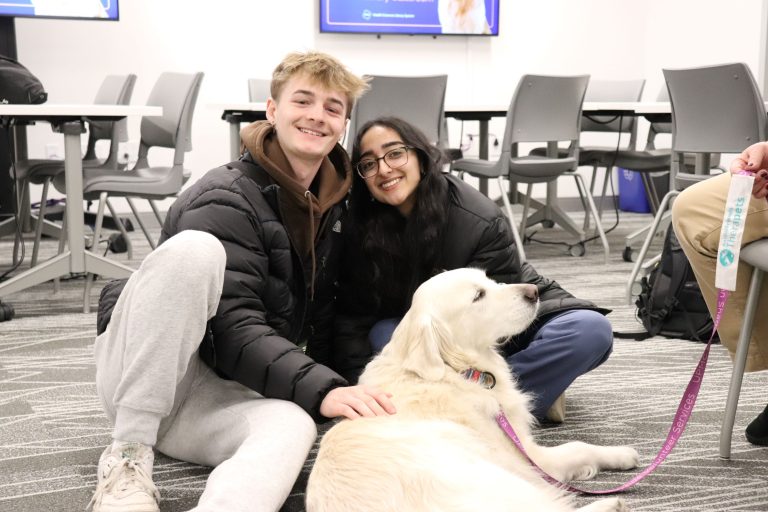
457	17
70	9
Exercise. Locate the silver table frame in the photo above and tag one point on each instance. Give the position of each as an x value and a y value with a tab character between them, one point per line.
69	120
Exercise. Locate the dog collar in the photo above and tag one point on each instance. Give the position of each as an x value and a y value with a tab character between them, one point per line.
485	379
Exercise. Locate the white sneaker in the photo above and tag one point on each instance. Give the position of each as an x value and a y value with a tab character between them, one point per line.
556	413
125	480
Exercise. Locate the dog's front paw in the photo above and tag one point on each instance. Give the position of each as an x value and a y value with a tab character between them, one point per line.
611	458
623	457
618	505
587	472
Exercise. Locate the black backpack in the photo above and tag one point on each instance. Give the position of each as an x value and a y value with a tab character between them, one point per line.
18	85
670	303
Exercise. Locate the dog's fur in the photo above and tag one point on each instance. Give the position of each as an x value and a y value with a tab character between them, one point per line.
443	450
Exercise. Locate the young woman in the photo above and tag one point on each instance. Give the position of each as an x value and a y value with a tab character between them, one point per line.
409	221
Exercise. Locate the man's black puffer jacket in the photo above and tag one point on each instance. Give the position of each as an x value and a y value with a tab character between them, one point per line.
477	235
265	301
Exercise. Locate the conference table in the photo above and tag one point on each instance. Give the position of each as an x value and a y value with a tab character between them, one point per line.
69	120
236	113
653	111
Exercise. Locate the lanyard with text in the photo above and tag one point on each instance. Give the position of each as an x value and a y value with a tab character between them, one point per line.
729	248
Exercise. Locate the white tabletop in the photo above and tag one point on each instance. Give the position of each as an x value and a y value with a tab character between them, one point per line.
244	106
638	107
72	110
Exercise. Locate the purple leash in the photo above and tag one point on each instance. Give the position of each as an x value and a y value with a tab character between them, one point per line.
675	432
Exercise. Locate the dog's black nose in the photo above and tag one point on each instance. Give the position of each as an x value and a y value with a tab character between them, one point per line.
531	293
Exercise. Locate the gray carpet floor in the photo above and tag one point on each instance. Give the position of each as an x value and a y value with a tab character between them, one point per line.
52	428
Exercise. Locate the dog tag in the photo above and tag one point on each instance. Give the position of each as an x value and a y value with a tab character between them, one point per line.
485	379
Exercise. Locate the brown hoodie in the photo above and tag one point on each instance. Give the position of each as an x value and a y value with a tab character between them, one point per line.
301	210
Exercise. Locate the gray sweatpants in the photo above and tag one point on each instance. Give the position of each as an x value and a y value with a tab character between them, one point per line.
156	390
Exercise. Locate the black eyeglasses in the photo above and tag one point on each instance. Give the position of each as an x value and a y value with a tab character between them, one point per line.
369	167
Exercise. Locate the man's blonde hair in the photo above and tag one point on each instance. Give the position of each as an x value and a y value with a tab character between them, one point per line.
322	68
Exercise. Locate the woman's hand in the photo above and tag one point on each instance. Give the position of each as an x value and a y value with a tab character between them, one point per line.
755	160
355	402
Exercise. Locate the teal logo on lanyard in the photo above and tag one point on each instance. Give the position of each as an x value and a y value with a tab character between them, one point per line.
726	257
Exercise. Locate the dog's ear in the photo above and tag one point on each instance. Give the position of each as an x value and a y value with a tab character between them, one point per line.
418	339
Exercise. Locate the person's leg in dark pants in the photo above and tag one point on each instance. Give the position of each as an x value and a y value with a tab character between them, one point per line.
568	345
381	333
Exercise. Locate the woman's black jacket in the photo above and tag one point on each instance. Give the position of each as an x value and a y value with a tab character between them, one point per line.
477	234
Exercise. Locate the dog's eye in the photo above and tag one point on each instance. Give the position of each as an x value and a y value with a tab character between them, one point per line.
479	295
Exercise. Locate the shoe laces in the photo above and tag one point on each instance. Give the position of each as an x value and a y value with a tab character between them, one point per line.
123	474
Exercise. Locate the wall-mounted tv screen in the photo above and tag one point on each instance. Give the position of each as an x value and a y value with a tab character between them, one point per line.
434	17
69	9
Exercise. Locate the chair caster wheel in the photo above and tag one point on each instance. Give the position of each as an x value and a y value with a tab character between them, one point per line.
6	312
548	223
577	250
627	254
117	243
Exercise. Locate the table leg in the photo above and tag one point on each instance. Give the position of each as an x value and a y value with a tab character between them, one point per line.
483	152
234	137
80	259
76	259
73	172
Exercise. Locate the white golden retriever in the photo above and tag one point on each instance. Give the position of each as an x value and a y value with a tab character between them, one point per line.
443	450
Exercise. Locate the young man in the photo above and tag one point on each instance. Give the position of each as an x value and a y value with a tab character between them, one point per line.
247	265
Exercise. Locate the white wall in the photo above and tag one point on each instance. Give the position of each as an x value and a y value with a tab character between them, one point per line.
233	40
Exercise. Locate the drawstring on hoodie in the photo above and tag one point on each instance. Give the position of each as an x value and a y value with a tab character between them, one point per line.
312	255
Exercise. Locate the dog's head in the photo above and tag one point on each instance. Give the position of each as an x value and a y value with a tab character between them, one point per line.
458	315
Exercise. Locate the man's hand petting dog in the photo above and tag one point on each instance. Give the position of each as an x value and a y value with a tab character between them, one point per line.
356	402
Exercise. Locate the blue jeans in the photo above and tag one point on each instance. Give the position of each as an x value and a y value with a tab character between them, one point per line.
568	345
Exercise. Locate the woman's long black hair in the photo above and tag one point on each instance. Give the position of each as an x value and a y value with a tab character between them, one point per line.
401	252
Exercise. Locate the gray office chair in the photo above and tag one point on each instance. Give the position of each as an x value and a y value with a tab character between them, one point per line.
715	109
651	163
543	109
662	127
602	156
258	90
177	94
114	90
756	255
735	109
416	99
